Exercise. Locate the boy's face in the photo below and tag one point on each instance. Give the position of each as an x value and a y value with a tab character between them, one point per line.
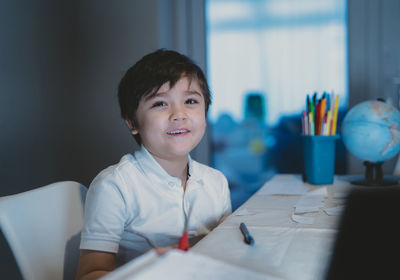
172	122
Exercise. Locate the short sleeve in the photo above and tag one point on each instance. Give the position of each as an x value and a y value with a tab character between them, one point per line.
105	214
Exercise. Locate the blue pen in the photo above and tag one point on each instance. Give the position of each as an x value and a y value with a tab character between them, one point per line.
248	239
328	102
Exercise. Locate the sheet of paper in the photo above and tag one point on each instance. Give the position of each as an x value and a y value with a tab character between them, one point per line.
244	212
284	185
306	209
303	220
320	191
179	265
309	203
334	211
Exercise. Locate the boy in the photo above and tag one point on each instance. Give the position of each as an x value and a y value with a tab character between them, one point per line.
143	201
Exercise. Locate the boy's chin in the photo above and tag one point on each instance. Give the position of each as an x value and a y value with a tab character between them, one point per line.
180	150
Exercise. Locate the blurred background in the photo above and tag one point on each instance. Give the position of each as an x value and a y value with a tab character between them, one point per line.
61	61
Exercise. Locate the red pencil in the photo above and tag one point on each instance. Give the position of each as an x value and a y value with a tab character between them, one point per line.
184	240
318	118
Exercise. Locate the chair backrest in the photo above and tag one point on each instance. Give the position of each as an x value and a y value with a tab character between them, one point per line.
42	227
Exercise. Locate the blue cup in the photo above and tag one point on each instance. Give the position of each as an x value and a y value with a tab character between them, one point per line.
319	159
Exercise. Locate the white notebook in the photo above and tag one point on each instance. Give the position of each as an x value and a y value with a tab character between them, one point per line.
180	265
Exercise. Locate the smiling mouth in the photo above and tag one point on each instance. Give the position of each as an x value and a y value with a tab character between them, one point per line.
178	132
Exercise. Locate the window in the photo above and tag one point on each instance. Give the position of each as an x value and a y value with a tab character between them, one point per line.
263	58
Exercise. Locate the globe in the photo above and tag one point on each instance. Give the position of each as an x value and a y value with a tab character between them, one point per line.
371	132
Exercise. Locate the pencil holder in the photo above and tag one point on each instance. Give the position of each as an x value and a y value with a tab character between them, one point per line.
319	159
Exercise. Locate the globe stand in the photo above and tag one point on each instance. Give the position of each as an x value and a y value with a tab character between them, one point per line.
374	176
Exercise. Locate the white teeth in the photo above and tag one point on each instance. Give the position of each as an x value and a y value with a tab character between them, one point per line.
178	131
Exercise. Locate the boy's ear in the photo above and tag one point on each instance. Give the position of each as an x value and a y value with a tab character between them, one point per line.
131	127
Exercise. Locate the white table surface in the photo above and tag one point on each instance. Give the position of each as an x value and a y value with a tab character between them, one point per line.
282	247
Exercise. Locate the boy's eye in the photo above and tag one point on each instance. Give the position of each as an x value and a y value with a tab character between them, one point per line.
159	104
191	101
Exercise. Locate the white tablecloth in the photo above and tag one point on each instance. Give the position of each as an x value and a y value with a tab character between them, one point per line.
282	246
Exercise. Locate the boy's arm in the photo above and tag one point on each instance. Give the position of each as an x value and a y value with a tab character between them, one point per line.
94	264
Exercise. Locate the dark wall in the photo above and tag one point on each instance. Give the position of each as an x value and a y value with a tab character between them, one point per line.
60	64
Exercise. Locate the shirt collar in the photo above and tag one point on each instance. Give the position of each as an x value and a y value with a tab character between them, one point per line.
194	171
156	172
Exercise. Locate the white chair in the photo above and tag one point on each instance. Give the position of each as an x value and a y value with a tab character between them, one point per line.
42	227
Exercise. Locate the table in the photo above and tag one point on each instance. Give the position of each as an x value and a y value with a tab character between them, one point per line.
282	246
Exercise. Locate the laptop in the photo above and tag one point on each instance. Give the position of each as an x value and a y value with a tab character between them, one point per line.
367	245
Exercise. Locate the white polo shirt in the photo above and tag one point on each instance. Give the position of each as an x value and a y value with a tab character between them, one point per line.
136	204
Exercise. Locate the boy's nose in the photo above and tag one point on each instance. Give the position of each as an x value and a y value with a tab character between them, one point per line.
178	113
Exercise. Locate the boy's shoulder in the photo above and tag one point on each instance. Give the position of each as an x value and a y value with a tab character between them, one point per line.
126	165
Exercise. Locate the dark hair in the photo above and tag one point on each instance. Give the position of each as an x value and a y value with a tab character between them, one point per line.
150	73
